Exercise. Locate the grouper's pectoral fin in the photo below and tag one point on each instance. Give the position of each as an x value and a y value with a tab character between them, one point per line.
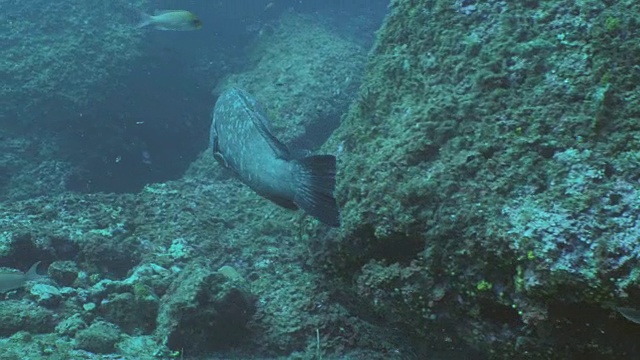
220	159
215	150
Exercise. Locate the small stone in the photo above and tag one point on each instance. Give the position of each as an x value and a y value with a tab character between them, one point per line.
101	338
46	295
71	325
89	306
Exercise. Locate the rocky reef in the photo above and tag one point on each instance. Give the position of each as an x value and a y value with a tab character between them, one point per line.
58	53
488	181
58	60
197	266
489	175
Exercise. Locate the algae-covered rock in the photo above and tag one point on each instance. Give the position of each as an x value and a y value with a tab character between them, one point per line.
131	303
144	348
70	325
132	313
204	310
101	337
63	272
46	295
24	316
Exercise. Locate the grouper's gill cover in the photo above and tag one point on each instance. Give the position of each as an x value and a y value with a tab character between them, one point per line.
241	141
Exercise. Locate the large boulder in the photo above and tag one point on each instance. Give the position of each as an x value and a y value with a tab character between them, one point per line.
488	177
205	310
24	316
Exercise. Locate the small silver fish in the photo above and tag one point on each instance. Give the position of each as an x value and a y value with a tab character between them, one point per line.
15	280
241	141
176	20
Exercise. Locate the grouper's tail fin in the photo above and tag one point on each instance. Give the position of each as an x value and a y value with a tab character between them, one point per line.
315	178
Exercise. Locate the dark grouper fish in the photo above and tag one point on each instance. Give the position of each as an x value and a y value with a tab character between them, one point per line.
241	141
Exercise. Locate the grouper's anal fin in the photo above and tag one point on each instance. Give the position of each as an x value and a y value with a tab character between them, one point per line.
260	121
285	203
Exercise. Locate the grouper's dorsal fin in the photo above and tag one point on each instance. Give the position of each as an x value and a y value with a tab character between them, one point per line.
260	121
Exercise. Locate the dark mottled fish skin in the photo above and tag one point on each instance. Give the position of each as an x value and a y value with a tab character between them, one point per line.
241	141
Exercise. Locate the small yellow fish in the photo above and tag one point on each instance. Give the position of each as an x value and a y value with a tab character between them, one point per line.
177	20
